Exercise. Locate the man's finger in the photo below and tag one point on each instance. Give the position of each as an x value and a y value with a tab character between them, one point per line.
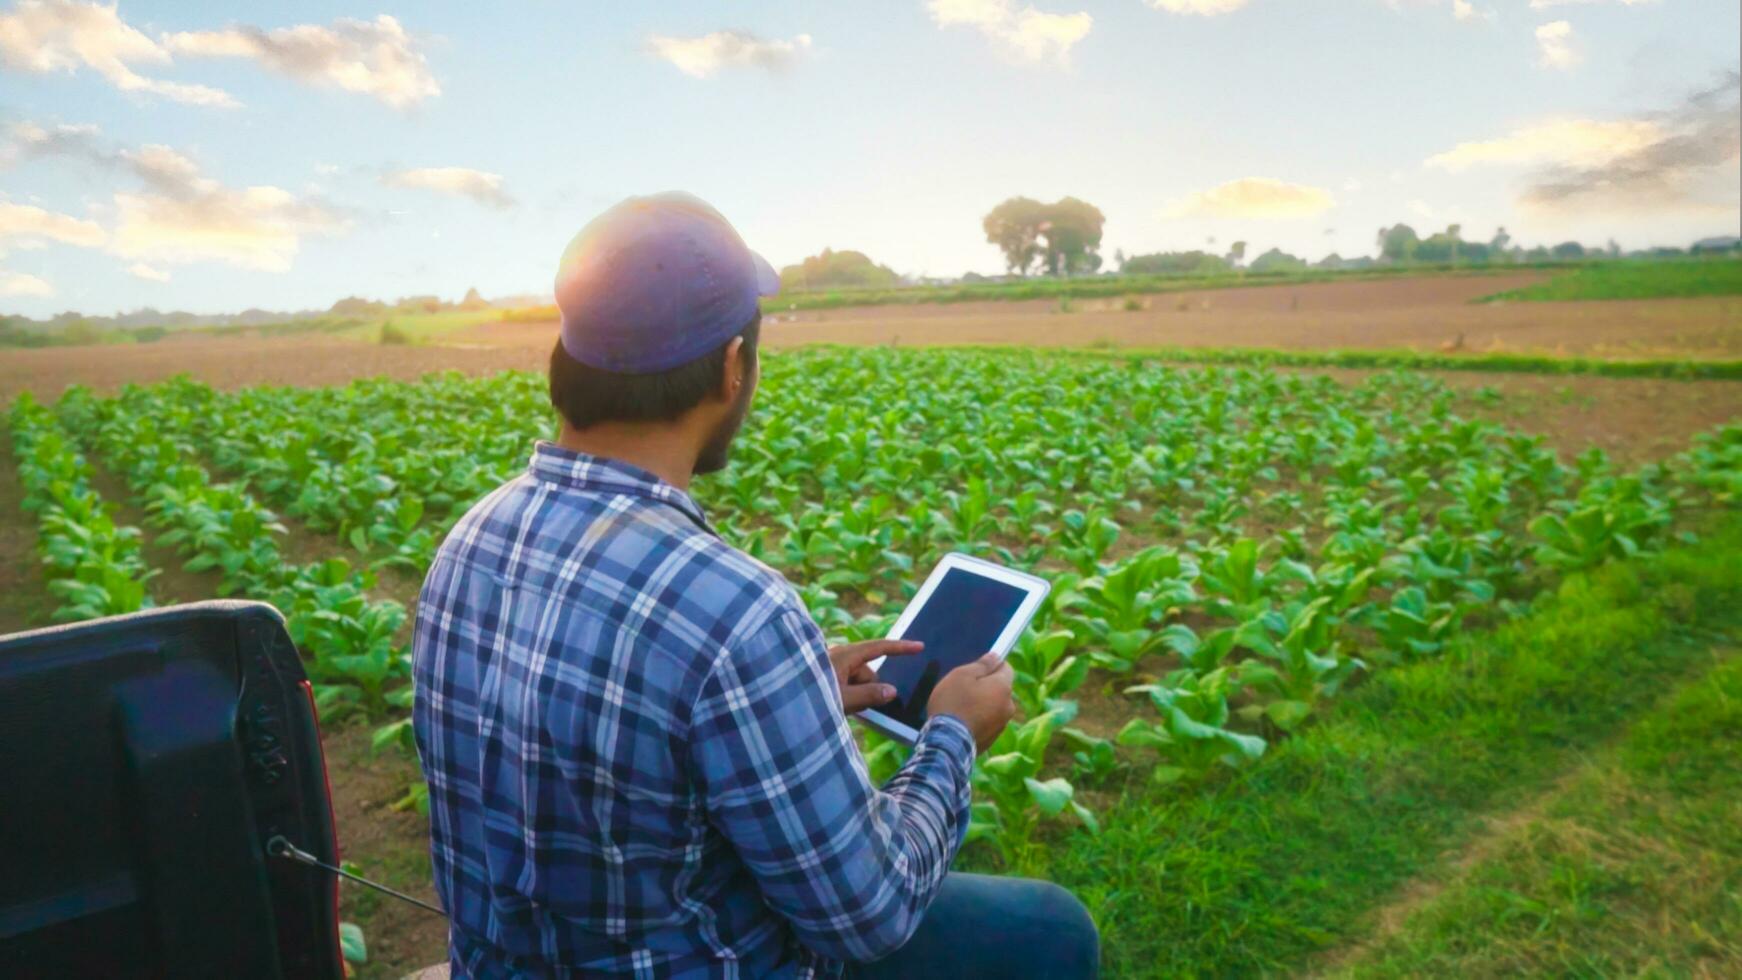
862	674
853	654
857	697
992	663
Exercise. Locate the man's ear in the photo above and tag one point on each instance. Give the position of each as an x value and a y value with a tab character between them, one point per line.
732	375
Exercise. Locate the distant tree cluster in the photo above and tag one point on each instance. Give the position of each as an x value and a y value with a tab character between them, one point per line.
1064	236
830	269
357	306
1400	245
1193	263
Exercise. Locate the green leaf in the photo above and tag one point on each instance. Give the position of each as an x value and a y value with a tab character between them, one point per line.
1050	796
1165	775
351	944
1087	817
1287	714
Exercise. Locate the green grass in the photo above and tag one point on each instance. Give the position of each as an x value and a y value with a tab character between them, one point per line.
1637	280
1636	868
421	327
1680	369
1288	858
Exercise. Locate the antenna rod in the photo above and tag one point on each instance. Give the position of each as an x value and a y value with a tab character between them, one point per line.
278	847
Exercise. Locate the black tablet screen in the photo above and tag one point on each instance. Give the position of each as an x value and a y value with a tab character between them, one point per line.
963	618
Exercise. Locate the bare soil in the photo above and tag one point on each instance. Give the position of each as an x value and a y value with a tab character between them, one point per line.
1427	314
388	845
242	361
1430	314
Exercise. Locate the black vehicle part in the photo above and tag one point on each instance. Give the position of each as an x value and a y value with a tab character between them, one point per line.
145	761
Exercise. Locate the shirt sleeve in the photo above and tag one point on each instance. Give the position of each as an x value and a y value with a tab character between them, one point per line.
850	867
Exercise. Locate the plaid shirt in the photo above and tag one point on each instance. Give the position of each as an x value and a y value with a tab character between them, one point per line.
637	758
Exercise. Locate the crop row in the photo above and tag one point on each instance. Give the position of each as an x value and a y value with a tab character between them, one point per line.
93	565
348	640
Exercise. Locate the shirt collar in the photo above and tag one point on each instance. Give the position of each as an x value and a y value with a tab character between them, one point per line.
560	465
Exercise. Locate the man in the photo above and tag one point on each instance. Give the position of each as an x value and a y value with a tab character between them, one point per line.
634	735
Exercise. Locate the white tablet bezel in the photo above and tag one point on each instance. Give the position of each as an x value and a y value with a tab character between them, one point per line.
1035	587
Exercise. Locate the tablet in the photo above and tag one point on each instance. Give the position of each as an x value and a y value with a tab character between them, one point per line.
966	608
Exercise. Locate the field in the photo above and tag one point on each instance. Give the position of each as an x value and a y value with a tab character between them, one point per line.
1637	280
1338	661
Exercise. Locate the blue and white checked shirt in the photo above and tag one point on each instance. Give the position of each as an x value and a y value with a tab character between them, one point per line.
637	758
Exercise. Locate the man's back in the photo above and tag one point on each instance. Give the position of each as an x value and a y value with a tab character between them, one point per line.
636	752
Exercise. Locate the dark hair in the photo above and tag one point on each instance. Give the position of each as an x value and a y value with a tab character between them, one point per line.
587	396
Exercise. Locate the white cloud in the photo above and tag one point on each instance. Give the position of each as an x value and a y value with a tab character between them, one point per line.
1422	208
1030	34
376	58
140	270
702	56
1577	142
1202	8
1253	197
24	224
1687	163
480	186
1351	185
185	217
23	284
1683	157
1554	46
1464	10
41	36
178	216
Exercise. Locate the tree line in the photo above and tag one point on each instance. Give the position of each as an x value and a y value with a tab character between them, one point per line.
1063	238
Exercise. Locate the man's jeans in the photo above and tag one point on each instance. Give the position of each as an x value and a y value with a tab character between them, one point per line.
1002	928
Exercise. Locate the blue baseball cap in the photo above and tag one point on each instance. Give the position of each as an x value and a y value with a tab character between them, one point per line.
656	282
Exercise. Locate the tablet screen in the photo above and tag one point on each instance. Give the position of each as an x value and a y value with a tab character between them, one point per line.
959	623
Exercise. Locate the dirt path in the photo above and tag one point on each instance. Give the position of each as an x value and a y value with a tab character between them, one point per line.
1547	815
1490	838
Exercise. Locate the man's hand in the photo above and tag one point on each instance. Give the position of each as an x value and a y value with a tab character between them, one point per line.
979	695
859	686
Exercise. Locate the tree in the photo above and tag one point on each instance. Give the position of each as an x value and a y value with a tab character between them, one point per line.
1073	236
1276	260
1397	243
830	269
357	306
1015	227
1119	258
474	301
1236	252
1193	263
1498	250
1071	230
1569	250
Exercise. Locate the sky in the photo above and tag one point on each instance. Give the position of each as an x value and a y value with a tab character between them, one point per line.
162	154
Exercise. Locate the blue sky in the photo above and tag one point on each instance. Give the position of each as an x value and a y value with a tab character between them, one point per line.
159	154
